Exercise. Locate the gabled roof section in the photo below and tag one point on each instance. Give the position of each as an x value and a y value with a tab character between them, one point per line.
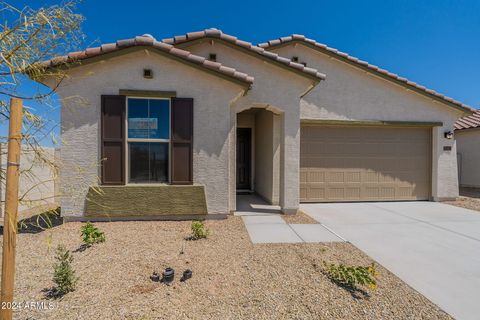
296	38
253	49
468	122
147	41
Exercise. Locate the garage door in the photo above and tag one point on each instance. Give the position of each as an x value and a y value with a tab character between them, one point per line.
364	163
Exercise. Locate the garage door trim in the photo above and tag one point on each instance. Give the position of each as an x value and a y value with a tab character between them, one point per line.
374	123
424	182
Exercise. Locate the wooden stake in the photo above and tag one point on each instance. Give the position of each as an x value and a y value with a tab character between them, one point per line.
11	208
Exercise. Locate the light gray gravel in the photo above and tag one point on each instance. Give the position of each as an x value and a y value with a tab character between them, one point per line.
232	279
469	199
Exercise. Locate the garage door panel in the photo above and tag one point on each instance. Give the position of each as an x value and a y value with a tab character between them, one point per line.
364	164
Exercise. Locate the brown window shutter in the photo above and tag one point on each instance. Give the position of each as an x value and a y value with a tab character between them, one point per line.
113	139
182	141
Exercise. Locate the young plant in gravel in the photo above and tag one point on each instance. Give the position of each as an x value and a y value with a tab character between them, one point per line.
199	231
91	235
63	273
352	276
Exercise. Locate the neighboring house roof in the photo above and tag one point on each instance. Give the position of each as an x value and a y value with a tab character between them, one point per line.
149	41
296	38
253	49
468	122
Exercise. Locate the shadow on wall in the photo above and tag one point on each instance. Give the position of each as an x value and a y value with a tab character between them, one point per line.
470	192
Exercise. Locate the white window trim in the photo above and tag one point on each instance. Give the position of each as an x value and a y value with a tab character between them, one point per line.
127	140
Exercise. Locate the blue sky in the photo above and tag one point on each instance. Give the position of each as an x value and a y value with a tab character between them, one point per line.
434	43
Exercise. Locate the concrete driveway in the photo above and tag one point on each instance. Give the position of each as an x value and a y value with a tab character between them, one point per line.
433	247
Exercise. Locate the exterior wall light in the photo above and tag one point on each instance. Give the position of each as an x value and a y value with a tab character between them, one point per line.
448	134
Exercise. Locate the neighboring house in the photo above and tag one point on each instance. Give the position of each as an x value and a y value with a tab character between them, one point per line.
467	135
179	126
37	188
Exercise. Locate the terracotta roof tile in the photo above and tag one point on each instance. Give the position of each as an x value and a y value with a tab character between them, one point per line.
296	37
468	122
218	34
148	41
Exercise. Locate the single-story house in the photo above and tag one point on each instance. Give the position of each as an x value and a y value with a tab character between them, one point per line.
467	135
179	126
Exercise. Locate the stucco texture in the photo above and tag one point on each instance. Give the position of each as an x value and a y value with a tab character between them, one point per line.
468	149
277	90
38	180
285	98
349	93
81	97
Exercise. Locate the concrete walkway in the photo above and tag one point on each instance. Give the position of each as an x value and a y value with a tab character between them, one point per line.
433	247
264	224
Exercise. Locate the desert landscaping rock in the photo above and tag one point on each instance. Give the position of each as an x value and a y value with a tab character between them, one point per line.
299	218
466	202
469	199
233	279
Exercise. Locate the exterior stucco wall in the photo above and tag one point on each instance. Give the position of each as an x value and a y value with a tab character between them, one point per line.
267	160
81	97
38	179
468	149
275	89
350	93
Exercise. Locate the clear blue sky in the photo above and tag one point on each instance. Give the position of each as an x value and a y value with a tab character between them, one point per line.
435	43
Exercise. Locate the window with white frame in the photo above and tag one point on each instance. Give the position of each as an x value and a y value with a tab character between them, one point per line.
148	140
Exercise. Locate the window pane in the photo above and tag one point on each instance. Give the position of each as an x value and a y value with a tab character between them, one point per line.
139	162
160	119
148	162
159	162
138	121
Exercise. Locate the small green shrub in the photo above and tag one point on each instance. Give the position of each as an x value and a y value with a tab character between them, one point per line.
352	276
199	230
91	234
63	273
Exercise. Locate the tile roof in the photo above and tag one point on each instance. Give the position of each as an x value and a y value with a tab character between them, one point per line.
322	47
468	122
218	34
148	41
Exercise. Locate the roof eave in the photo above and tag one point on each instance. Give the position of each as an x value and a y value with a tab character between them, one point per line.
188	43
465	109
122	51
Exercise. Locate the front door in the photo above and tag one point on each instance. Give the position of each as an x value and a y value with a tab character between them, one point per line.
244	140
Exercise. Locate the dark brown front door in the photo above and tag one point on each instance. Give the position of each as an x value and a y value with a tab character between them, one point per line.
244	140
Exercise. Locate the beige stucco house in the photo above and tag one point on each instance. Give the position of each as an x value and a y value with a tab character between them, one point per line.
180	126
467	135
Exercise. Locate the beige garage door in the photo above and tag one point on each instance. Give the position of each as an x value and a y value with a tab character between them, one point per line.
364	163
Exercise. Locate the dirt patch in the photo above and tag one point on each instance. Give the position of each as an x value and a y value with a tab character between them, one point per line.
301	217
232	278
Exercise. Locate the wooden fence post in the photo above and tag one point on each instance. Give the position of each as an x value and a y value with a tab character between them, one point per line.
11	208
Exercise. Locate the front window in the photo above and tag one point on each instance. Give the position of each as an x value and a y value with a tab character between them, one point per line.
148	138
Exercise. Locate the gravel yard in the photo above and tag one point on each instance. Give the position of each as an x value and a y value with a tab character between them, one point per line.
300	217
232	279
469	199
